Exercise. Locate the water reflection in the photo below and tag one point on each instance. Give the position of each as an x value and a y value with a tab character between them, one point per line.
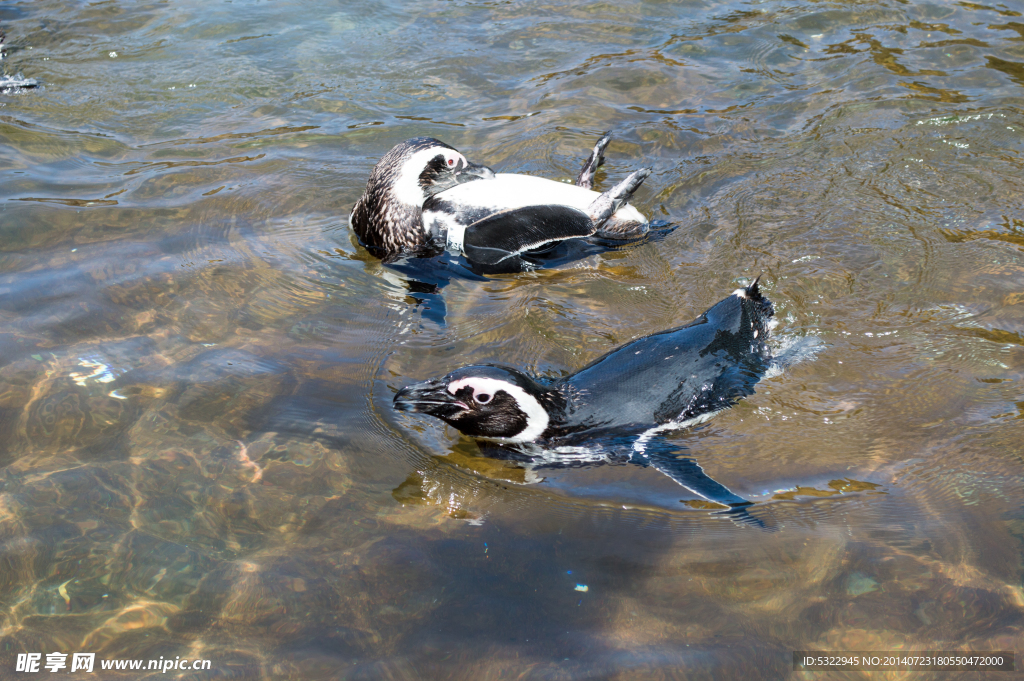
241	489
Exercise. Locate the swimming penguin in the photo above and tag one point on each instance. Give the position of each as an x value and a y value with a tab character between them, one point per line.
424	196
668	380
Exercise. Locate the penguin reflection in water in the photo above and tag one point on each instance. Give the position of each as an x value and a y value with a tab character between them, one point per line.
665	381
432	215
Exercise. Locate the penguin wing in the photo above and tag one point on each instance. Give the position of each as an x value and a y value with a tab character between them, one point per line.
688	473
509	233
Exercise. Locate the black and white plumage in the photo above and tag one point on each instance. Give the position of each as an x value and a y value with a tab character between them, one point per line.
668	380
423	196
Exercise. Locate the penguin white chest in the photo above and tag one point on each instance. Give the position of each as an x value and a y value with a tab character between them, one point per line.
509	191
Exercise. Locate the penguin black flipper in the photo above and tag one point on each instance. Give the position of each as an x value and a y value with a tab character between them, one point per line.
688	473
510	233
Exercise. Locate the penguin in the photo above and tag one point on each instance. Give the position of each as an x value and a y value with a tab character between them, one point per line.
424	197
665	381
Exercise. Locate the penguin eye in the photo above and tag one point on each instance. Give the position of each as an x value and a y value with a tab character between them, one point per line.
451	161
483	398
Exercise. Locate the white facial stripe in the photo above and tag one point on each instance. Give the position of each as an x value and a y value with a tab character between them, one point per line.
407	187
536	417
453	159
741	292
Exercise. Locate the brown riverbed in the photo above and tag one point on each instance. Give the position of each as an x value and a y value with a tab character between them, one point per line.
197	360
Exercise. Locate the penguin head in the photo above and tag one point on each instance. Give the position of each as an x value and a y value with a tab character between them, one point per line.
482	401
421	167
388	216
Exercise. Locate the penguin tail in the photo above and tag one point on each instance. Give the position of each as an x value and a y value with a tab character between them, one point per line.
753	290
758	306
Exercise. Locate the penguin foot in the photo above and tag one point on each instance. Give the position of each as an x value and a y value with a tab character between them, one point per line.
610	201
586	177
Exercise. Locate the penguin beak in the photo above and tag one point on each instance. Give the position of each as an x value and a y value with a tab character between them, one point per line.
431	397
473	171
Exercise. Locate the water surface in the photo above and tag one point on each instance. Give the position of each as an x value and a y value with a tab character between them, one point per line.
197	360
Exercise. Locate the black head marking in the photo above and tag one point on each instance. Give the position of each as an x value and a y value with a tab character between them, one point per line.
483	402
388	216
441	173
490	416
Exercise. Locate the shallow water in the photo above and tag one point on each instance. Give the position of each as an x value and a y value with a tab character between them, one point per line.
197	360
